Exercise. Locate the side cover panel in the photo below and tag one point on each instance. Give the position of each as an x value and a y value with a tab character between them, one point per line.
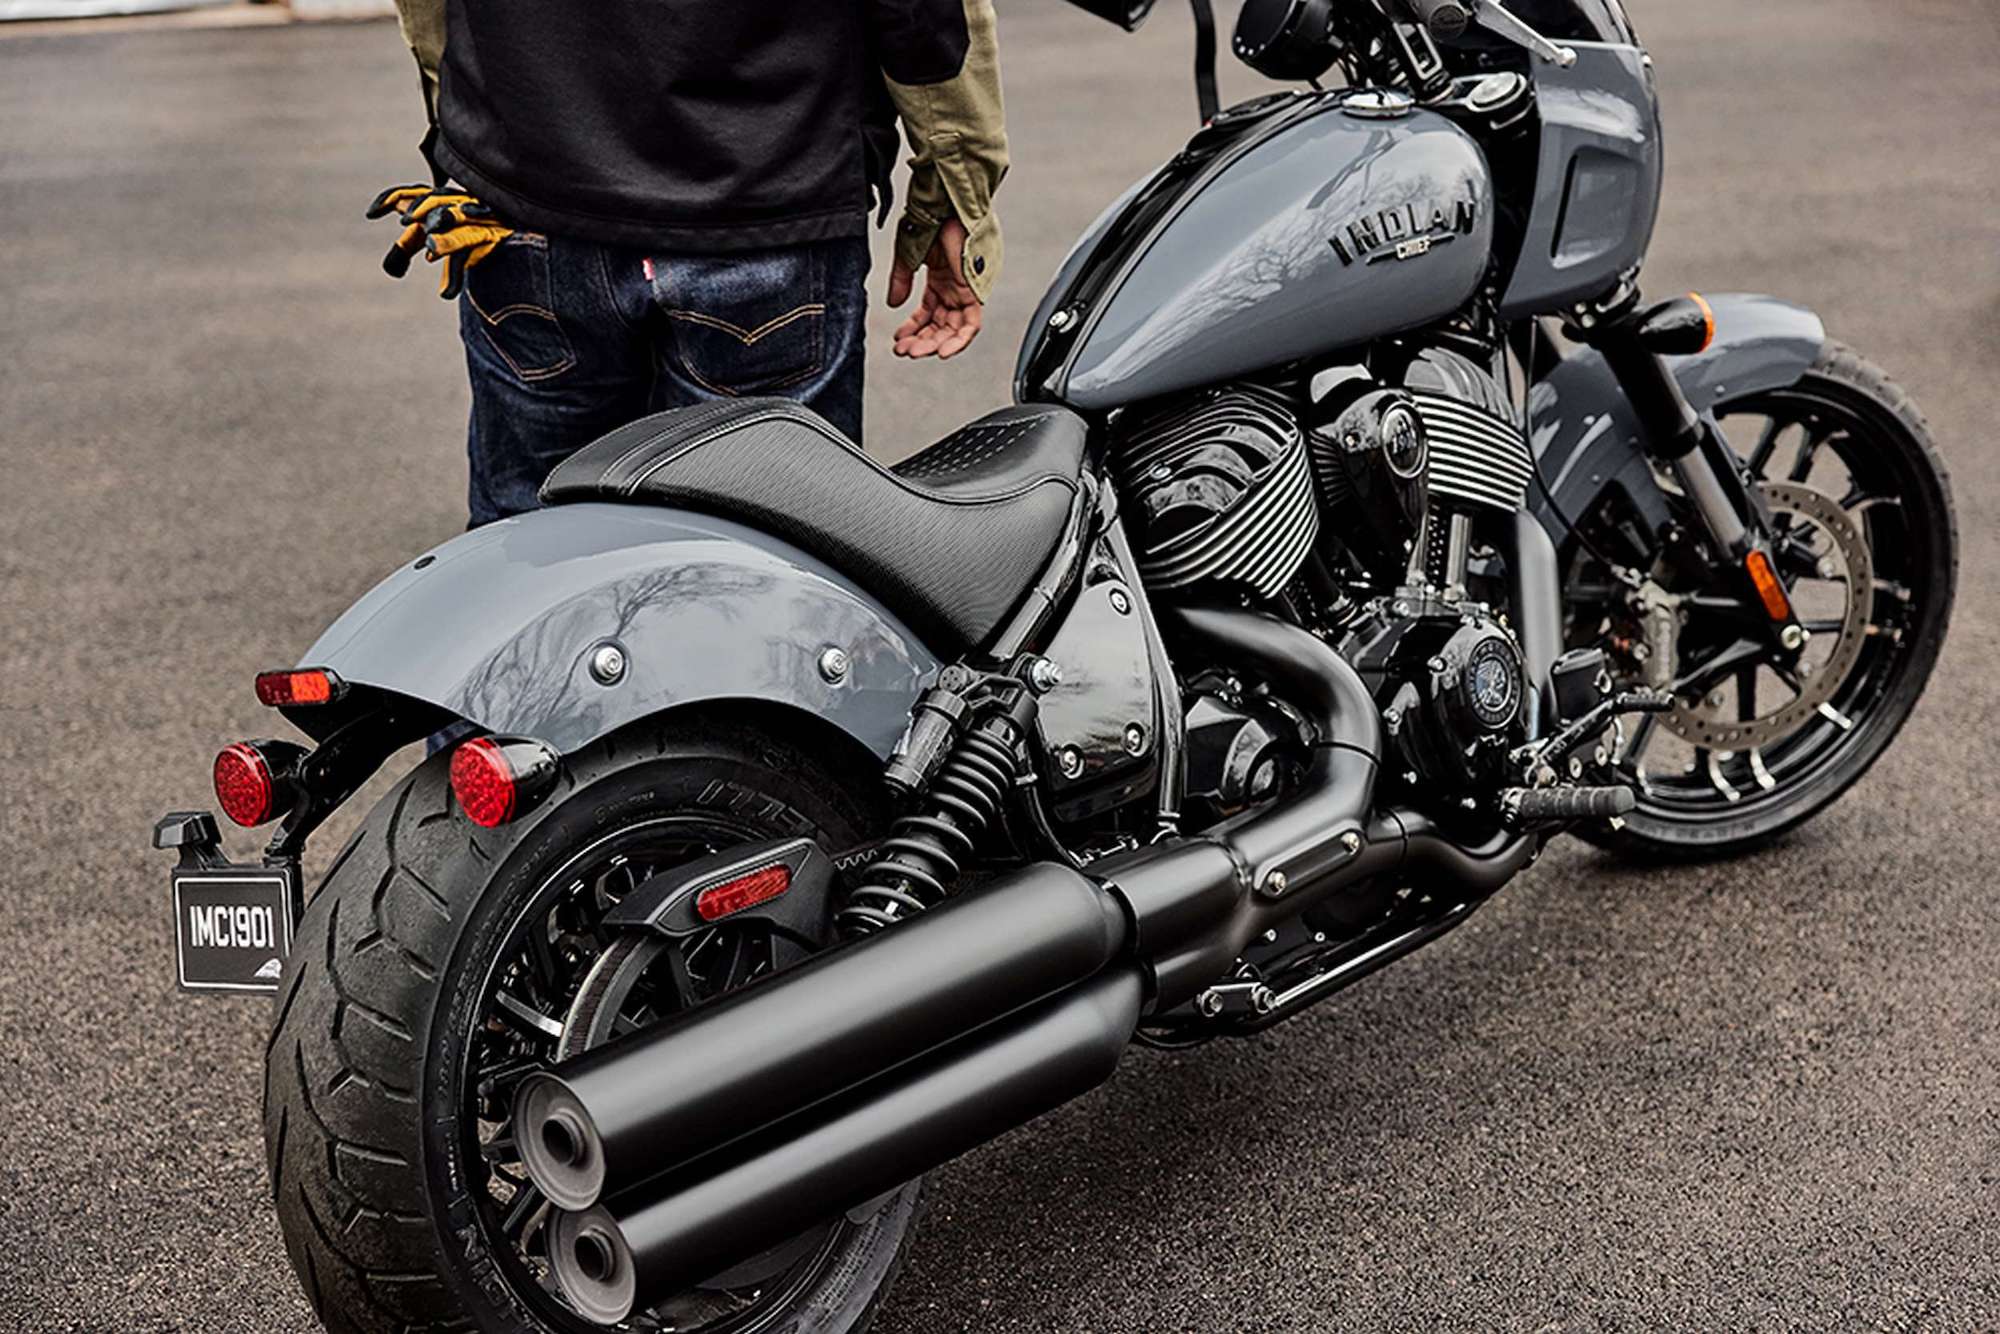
1587	441
499	626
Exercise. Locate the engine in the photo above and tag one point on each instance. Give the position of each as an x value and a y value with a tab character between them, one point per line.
1356	508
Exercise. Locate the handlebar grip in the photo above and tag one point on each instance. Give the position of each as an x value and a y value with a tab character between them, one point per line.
1440	18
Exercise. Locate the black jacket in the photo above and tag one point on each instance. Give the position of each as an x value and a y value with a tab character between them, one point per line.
692	125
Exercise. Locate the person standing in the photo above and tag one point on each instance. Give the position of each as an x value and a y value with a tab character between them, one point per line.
646	204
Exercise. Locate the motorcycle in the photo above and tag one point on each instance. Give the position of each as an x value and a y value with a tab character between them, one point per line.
1357	530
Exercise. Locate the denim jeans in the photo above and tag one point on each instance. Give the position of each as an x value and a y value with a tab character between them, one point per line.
566	340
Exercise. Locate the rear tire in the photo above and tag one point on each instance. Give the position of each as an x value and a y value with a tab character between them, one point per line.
367	1114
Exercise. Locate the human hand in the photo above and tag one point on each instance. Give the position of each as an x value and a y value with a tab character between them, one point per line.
948	315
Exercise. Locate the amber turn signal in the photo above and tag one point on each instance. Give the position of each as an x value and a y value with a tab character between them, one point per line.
1776	605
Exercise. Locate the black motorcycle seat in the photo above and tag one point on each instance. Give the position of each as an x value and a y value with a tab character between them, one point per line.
949	540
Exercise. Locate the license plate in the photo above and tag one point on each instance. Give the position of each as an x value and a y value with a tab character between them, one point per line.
233	926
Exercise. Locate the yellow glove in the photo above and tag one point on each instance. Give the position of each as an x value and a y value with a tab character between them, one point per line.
451	228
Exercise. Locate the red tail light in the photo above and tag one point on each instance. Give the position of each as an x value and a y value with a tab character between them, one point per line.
497	779
253	780
746	891
311	685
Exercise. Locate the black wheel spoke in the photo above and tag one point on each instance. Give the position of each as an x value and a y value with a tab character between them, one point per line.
1808	451
1746	694
521	1209
1760	457
525	1018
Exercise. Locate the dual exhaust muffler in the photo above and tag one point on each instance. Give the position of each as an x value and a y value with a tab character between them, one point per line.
679	1151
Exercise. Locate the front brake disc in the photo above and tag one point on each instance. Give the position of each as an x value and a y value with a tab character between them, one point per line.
1703	724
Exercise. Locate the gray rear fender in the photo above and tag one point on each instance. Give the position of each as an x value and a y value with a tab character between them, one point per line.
1587	440
499	626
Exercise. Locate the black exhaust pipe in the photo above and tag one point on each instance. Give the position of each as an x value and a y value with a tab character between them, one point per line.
641	1246
634	1109
722	1134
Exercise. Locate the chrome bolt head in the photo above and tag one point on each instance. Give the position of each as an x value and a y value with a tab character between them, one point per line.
1135	739
1062	319
1070	760
1209	1003
1120	603
1044	675
1350	842
834	666
1793	637
608	664
1276	883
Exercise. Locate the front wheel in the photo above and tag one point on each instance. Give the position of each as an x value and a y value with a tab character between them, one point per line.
1865	537
440	962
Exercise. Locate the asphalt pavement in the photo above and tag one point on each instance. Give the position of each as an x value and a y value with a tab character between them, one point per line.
1758	1095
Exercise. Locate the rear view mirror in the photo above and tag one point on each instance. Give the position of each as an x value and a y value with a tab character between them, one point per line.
1127	14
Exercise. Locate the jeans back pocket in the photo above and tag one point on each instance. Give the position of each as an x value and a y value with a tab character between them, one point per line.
510	292
751	323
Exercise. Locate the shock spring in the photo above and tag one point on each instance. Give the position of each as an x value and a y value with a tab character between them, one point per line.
926	849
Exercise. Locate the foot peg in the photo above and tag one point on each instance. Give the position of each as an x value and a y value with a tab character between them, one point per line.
1565	805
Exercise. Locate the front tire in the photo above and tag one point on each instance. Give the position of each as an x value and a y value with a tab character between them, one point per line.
1850	434
388	1055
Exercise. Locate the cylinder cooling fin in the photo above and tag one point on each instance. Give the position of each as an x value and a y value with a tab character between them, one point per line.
1223	489
1478	456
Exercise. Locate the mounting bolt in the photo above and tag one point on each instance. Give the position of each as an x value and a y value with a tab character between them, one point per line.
1044	675
833	665
1209	1003
1276	883
1120	603
1793	637
1135	739
1062	319
1350	842
1070	760
607	664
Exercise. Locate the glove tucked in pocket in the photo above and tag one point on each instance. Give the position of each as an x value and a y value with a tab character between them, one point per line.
449	226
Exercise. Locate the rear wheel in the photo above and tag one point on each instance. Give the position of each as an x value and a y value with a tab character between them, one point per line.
440	962
1867	542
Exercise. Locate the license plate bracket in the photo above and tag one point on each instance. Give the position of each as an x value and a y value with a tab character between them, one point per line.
232	924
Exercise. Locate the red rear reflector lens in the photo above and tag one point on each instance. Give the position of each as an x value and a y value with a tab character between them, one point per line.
314	685
483	782
1776	605
746	891
244	786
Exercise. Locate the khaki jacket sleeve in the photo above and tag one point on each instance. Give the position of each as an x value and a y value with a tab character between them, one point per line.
423	28
958	143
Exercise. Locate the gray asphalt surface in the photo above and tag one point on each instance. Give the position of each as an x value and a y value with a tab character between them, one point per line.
1749	1096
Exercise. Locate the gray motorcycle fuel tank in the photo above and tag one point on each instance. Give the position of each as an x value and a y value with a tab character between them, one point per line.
1290	228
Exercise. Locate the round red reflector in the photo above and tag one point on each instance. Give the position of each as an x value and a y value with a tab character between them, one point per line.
483	782
243	785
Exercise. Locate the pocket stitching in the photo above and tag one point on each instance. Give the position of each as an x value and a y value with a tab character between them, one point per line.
749	336
538	246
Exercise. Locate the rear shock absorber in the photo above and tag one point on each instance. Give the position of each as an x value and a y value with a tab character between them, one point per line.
926	849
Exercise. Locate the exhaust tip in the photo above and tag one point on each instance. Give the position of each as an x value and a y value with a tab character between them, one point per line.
557	1143
593	1265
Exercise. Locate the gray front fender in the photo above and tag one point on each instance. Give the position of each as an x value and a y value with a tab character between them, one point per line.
499	625
1587	440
